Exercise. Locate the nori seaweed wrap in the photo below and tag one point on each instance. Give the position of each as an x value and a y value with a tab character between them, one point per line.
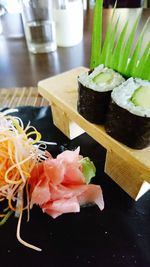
94	91
128	116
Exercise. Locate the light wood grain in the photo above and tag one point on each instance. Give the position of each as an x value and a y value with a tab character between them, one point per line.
62	91
62	121
126	175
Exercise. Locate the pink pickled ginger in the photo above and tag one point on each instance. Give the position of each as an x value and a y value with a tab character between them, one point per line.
58	185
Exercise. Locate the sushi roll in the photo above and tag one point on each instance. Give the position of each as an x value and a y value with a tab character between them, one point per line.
94	90
128	117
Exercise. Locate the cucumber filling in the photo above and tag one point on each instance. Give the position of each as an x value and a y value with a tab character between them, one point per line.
141	97
103	78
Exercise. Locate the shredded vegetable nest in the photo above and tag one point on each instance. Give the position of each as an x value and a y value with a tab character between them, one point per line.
20	151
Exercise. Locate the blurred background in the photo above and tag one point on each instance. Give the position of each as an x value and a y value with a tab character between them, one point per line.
10	10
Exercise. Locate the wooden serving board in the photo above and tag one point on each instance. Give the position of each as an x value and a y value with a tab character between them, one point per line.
129	168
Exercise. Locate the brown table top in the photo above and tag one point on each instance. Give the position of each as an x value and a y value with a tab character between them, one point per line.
19	68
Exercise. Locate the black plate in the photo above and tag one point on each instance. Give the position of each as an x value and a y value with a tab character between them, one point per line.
117	236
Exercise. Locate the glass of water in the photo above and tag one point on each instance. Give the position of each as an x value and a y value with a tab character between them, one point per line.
39	25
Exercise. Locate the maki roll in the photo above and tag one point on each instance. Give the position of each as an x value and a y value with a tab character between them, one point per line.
94	90
128	117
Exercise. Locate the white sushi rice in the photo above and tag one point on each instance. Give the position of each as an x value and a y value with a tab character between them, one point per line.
87	80
123	93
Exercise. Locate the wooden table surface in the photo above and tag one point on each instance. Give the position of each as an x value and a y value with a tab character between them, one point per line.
19	68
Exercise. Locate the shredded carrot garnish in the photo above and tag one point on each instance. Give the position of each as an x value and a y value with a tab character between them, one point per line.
19	153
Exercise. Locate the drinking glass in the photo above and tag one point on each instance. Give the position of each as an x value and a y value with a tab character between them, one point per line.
39	25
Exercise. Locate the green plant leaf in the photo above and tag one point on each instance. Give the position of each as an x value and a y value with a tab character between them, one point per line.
110	45
130	71
116	53
96	35
145	75
124	57
118	48
107	39
142	62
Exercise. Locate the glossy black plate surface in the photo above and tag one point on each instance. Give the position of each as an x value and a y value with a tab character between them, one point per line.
117	236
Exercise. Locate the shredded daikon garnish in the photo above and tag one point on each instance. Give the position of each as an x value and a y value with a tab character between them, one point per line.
19	153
